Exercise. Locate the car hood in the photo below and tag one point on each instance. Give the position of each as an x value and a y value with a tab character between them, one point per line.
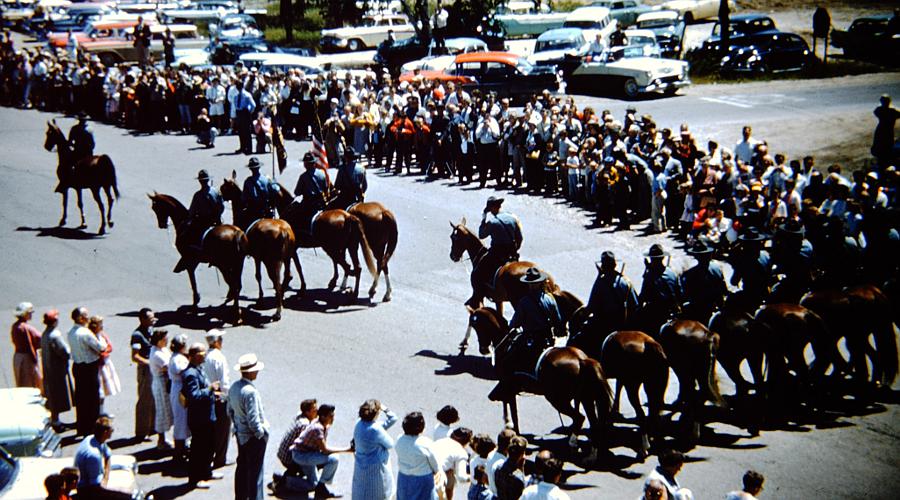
25	421
552	55
653	65
29	483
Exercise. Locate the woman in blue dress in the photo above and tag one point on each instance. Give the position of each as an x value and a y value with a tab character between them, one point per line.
372	478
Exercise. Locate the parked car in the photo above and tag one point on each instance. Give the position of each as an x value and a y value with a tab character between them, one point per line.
645	39
395	55
369	34
563	48
23	478
114	50
506	74
769	52
25	427
593	20
627	71
696	10
870	38
76	18
668	27
208	11
625	12
236	26
97	30
740	26
228	51
441	59
520	18
17	12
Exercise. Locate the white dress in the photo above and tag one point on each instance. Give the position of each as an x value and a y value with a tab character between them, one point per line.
177	364
159	368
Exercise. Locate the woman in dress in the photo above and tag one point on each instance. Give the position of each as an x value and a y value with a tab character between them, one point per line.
159	368
55	357
415	461
109	379
177	364
372	476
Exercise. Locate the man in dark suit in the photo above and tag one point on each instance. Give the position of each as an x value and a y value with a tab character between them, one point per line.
201	397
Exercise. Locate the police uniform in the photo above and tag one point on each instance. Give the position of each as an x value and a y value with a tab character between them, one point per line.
506	238
660	295
537	314
82	140
704	289
312	187
793	258
206	207
259	196
612	302
351	183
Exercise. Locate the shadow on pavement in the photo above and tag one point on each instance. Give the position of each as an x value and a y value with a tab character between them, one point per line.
205	318
173	491
457	364
63	233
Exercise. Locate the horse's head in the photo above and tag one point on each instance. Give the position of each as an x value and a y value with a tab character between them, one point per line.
458	240
51	136
158	204
230	190
489	327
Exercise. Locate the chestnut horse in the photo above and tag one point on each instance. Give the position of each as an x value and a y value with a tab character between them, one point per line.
565	375
507	286
739	339
633	358
271	242
380	228
337	232
224	246
91	173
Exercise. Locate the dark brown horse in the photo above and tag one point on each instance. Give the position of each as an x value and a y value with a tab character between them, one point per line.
337	232
508	286
634	359
271	242
224	246
565	375
739	339
380	228
691	350
94	173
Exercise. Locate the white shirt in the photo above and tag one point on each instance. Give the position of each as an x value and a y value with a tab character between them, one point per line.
414	456
739	495
543	491
442	430
86	347
676	492
159	361
451	456
494	461
488	130
216	368
743	150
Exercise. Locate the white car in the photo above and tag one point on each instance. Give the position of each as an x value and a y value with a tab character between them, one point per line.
593	20
439	62
626	70
695	10
369	34
519	18
645	39
25	429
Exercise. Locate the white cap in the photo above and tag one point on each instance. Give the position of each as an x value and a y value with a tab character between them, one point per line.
24	308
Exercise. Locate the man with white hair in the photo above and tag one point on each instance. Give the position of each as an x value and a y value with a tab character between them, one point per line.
250	428
26	341
215	366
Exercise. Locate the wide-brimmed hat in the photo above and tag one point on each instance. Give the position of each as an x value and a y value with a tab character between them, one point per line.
790	228
753	234
203	175
24	308
533	275
656	251
249	363
214	334
494	200
309	159
82	116
698	249
253	164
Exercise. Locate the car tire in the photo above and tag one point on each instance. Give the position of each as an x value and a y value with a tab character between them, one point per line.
670	91
355	44
630	88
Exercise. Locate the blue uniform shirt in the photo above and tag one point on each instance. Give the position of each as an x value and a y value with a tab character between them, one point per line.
503	229
660	288
536	312
311	184
259	192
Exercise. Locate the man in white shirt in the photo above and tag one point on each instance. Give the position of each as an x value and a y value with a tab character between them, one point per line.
216	369
753	485
670	463
86	348
546	488
487	133
743	150
453	459
498	456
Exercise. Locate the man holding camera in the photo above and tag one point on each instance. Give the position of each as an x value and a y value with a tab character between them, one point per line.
505	232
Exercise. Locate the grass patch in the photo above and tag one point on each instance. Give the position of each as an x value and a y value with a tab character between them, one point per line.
302	38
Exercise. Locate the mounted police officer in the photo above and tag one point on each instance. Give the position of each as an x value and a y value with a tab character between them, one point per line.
259	195
312	187
792	255
505	232
205	210
613	301
752	269
351	181
660	296
81	139
703	285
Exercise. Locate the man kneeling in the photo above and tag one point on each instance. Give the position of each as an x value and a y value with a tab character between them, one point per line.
311	452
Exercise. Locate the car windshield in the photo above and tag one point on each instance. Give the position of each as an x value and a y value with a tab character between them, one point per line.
641	40
585	25
655	23
523	66
558	44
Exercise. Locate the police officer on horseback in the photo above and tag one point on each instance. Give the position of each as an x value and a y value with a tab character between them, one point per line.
793	261
81	139
351	181
505	232
613	300
752	269
259	194
312	187
660	296
703	285
205	210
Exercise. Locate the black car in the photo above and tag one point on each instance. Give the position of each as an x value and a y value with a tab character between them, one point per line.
870	38
741	27
229	51
395	55
769	52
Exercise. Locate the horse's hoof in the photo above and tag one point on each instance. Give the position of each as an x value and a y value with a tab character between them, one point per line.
573	442
276	317
332	284
111	223
82	226
101	232
387	298
62	222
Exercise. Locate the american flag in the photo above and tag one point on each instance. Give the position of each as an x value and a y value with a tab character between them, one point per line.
321	158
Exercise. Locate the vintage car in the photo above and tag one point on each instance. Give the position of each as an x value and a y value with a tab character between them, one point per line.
97	30
207	11
519	18
22	478
563	48
439	59
393	56
150	7
369	34
628	71
25	427
236	26
593	20
17	12
76	18
668	27
645	39
625	12
870	38
769	52
740	26
115	50
696	10
503	73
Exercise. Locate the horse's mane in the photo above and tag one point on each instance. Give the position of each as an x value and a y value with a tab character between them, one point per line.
169	199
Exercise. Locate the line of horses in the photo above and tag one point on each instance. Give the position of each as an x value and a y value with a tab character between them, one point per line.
770	338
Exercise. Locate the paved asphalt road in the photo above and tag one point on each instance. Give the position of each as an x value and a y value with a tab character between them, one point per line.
404	352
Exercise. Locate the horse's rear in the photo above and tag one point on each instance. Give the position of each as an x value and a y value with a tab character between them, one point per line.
272	242
380	228
738	340
873	309
226	246
509	287
339	232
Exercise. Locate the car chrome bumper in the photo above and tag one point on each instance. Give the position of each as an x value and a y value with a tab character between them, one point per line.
657	85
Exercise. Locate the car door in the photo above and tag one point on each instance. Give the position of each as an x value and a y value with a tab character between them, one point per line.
495	77
796	52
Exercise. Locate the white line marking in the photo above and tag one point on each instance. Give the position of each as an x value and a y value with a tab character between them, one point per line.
725	101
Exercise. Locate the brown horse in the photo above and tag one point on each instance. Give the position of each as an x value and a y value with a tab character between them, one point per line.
633	358
565	375
380	228
224	246
271	242
739	339
691	350
507	286
91	173
337	232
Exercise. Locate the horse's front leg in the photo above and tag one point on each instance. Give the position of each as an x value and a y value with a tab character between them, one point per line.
193	280
296	260
80	208
96	194
65	207
109	206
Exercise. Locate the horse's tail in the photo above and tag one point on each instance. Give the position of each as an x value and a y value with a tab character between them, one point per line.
110	170
712	379
356	228
392	234
594	387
